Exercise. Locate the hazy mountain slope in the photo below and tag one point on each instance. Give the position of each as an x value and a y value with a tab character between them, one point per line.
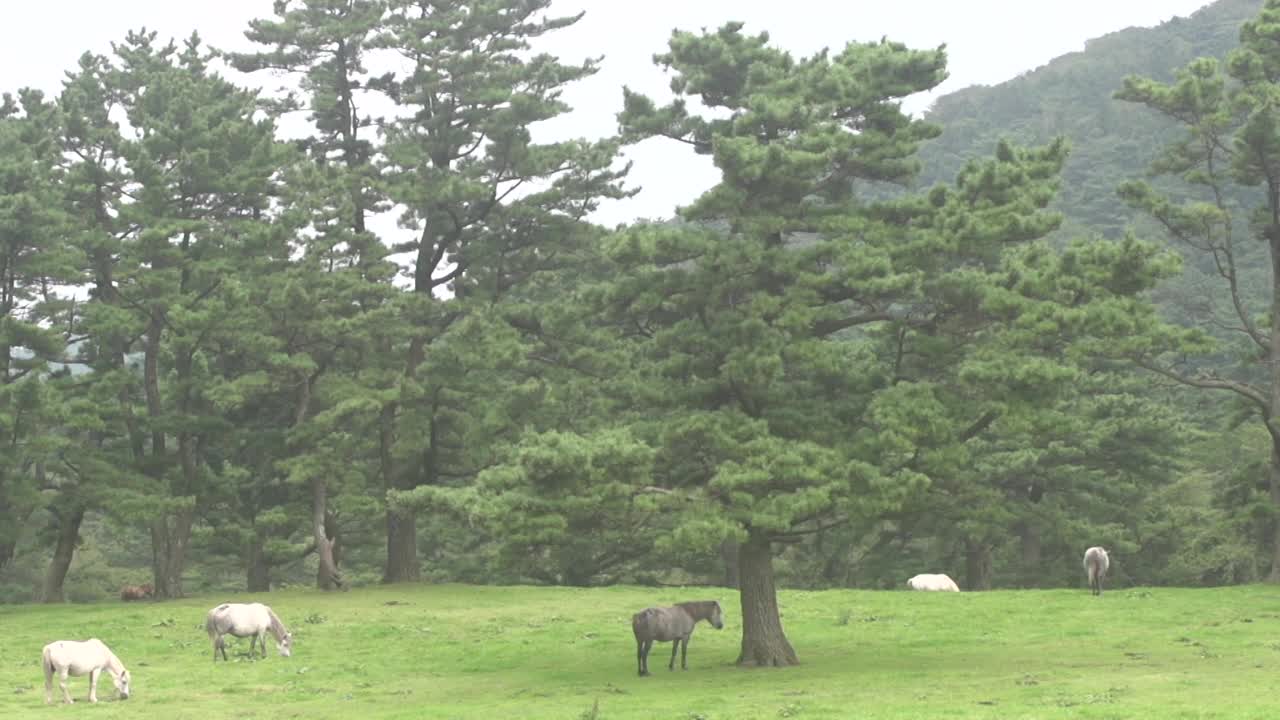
1072	96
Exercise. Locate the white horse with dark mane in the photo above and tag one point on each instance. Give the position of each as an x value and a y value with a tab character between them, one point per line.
251	620
91	657
1096	563
933	582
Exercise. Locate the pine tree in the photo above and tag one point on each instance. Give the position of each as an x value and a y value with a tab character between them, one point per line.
1229	163
488	208
758	404
815	360
343	265
35	264
179	200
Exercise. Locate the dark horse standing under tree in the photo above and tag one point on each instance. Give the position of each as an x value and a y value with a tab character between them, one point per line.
671	624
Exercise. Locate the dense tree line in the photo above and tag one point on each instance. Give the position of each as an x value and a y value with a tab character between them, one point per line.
212	364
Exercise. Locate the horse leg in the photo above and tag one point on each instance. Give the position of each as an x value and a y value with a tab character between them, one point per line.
62	682
644	657
640	657
675	646
93	685
684	653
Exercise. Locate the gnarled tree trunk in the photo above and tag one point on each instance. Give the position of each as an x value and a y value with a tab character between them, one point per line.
68	538
327	577
764	644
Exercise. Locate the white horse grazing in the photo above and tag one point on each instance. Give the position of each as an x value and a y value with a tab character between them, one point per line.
1096	563
91	657
936	583
251	620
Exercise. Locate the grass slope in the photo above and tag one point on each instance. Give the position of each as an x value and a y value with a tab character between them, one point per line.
451	651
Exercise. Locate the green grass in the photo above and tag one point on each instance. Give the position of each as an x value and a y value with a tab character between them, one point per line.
451	651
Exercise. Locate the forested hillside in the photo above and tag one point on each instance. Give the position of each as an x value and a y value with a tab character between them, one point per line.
216	374
1072	97
1216	512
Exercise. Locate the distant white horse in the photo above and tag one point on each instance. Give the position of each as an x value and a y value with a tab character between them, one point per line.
936	583
91	657
251	620
1096	562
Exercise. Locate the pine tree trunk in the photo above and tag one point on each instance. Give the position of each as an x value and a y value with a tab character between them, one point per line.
63	552
327	577
259	571
729	556
1029	536
1273	367
402	548
978	565
12	518
7	550
335	545
764	644
1274	481
8	544
169	540
402	528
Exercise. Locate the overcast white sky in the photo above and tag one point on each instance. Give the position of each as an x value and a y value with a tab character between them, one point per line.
988	41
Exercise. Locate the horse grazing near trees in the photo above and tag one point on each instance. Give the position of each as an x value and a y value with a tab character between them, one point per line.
1096	562
934	583
137	592
251	620
671	624
91	657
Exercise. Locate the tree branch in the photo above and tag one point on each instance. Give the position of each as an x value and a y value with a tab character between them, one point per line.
1210	382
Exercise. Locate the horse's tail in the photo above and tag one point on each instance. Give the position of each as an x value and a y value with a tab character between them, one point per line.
46	661
209	625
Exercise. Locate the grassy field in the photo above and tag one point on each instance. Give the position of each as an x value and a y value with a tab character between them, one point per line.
451	651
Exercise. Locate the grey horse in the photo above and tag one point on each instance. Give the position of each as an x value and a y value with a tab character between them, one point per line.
1096	563
671	624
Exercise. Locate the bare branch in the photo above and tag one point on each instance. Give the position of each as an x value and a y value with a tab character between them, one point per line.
1212	382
